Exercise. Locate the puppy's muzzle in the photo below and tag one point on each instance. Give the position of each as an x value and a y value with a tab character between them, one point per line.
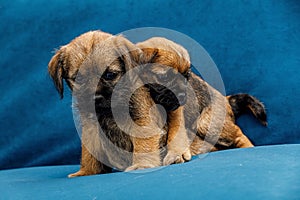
171	101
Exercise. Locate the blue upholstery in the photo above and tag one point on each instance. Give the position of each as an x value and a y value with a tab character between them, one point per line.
255	45
260	173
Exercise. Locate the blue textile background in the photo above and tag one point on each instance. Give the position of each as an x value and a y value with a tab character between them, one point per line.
255	45
219	175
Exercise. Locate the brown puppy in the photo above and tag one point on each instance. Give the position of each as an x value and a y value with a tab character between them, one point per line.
166	79
209	116
92	65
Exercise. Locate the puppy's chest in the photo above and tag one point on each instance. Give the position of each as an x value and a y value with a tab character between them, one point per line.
111	129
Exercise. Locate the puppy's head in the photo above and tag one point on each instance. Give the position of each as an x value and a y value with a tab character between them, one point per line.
68	59
104	67
92	64
167	72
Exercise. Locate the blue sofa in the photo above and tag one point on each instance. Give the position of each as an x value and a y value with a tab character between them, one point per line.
255	45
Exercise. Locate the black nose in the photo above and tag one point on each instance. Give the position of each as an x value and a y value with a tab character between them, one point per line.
181	98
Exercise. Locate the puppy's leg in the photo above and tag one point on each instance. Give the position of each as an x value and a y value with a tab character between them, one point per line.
91	147
146	152
241	141
200	146
89	165
177	142
231	135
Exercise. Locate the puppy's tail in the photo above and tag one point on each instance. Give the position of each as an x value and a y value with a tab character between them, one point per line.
241	103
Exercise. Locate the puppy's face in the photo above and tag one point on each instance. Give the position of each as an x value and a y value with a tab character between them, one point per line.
92	68
68	59
99	75
166	76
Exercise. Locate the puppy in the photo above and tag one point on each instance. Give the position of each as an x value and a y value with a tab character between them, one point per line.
166	75
92	65
209	117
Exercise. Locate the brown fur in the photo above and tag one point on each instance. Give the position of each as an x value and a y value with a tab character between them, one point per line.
71	56
217	110
104	144
211	121
163	54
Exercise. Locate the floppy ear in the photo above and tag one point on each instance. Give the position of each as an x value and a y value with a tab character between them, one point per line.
55	69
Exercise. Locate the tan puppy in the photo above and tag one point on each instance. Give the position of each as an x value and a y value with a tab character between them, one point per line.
166	77
92	65
208	115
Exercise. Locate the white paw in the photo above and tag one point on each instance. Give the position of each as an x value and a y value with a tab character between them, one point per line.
175	158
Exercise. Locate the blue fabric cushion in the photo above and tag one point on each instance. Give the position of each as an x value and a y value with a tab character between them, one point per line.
271	172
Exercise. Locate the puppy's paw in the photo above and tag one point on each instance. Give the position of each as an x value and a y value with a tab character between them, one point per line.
187	155
139	166
173	157
80	173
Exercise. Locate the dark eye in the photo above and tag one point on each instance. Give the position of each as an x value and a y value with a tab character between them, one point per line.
187	74
110	75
